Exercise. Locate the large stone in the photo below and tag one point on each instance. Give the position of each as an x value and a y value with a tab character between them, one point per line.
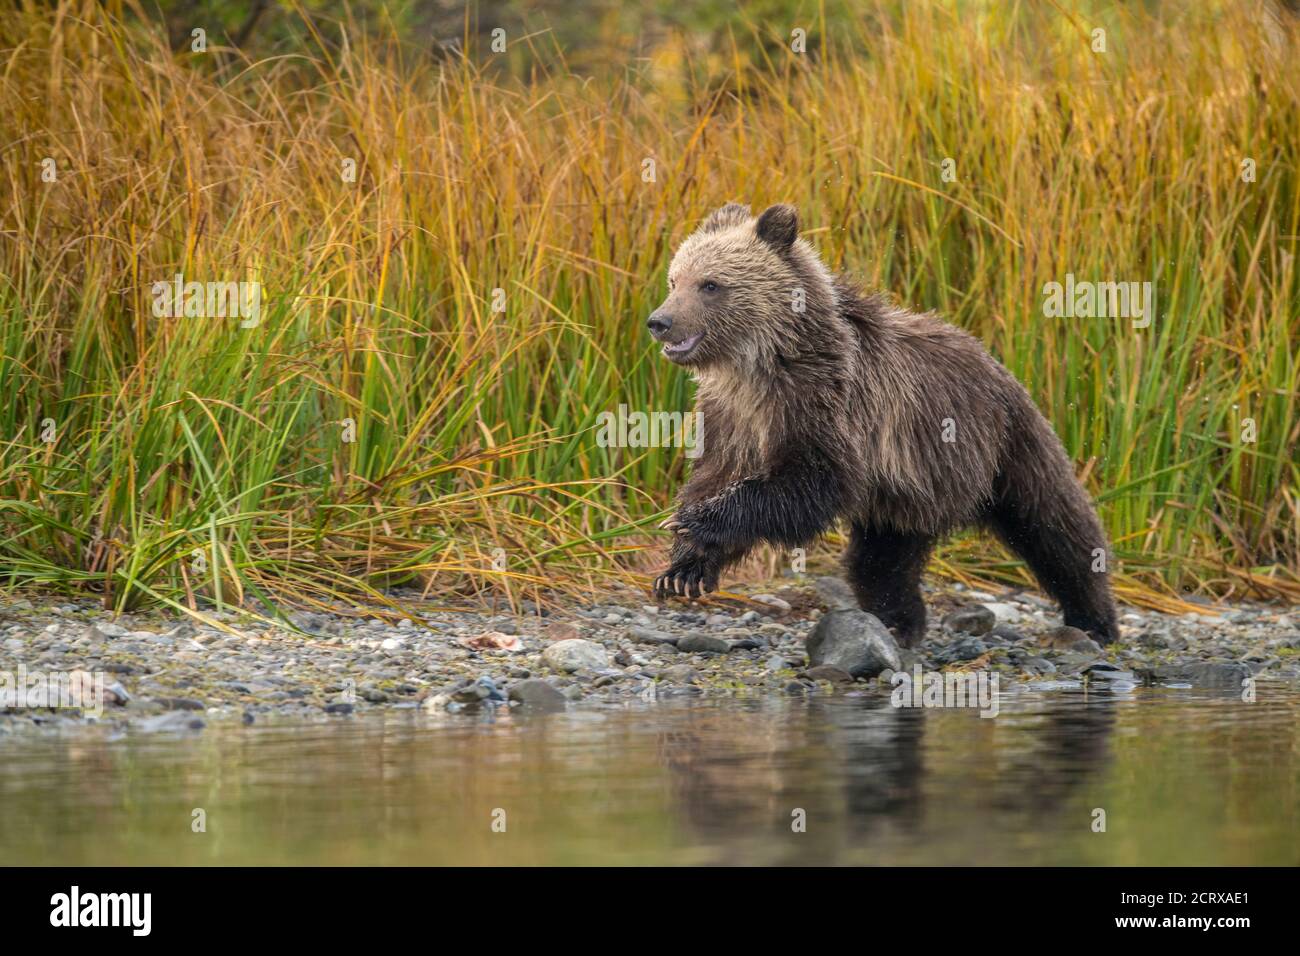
576	654
855	642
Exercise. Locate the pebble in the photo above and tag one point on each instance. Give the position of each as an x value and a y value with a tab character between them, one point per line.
967	648
777	604
971	620
1069	639
679	674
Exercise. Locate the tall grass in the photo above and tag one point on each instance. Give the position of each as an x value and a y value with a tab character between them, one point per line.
192	457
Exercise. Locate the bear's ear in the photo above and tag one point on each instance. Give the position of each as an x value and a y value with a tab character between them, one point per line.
724	217
779	226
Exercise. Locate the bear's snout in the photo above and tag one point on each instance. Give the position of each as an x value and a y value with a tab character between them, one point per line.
659	323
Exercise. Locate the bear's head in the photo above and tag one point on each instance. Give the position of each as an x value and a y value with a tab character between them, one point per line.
742	291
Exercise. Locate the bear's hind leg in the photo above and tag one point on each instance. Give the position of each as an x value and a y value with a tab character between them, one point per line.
1062	543
885	568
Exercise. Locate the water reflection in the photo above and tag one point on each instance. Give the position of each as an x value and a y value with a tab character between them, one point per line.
1182	778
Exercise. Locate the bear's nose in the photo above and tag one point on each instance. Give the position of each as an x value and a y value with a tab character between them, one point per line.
659	324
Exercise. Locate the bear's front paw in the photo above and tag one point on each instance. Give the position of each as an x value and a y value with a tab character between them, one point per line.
689	578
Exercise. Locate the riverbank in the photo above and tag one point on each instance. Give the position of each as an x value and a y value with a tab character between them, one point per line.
164	673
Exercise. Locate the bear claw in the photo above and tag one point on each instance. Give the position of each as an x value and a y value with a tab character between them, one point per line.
688	584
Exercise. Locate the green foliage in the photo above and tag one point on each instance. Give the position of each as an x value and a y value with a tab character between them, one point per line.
475	429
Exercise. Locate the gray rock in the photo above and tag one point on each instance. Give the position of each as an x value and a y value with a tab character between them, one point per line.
970	620
679	674
853	641
575	654
1156	639
538	695
1069	639
1039	665
646	635
965	649
702	644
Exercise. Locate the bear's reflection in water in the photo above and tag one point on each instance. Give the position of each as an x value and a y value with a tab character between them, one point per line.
836	780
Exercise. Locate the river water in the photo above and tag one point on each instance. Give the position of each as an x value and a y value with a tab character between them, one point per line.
1182	777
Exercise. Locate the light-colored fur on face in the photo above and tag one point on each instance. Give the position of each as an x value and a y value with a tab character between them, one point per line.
750	318
771	290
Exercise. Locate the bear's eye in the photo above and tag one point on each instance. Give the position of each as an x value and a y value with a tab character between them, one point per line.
709	286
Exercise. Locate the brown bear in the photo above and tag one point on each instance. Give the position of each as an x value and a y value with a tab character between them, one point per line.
818	402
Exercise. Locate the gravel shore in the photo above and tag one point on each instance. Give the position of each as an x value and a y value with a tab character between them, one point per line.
165	673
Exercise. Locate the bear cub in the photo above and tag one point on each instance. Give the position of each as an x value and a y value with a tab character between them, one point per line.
819	402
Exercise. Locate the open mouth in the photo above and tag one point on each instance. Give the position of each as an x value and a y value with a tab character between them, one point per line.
684	347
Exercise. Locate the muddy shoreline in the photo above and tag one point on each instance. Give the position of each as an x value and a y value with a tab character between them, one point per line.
166	673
